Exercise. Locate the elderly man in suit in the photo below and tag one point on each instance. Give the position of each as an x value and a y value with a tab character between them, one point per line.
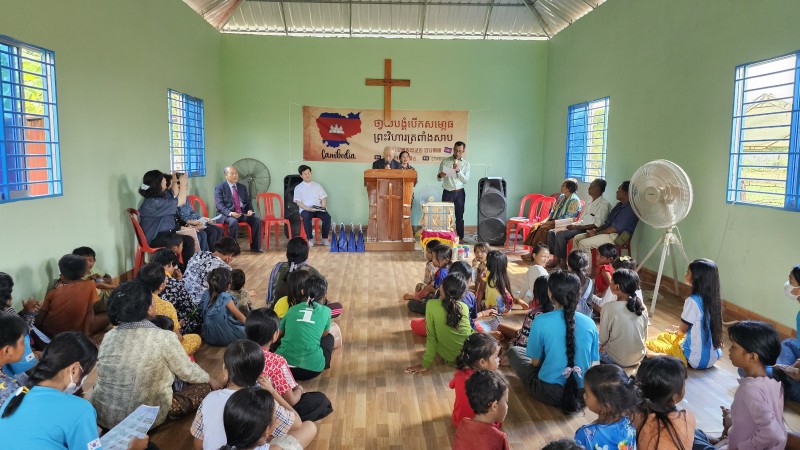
234	204
388	161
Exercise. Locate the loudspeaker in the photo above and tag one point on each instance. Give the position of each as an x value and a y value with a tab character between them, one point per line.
492	210
290	209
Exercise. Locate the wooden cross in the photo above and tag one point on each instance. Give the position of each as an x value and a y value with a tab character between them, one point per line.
387	82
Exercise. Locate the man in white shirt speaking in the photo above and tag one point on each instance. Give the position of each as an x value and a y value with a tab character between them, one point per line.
313	202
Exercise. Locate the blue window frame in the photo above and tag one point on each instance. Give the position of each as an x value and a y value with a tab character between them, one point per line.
764	155
187	148
587	127
30	164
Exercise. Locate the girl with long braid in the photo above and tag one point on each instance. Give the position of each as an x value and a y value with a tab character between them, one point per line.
446	322
561	347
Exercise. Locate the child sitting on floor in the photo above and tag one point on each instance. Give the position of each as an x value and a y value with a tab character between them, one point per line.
418	324
155	280
223	323
249	419
755	419
578	263
621	262
29	309
495	288
105	284
541	297
13	332
623	324
659	425
487	391
243	363
446	323
540	256
243	299
263	327
479	252
480	352
606	254
701	318
425	288
442	256
308	336
297	280
70	306
611	395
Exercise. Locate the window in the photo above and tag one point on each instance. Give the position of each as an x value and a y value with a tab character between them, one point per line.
187	147
29	155
765	159
587	124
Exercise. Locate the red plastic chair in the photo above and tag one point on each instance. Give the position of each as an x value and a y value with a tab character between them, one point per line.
522	217
199	206
265	201
142	246
315	222
540	209
198	203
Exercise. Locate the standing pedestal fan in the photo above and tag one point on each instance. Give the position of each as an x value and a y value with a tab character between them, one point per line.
661	196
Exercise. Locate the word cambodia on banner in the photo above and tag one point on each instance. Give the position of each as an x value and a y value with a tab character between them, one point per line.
360	135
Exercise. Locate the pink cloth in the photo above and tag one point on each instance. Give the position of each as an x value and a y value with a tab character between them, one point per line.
757	415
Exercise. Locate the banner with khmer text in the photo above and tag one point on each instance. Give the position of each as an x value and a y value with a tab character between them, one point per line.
360	135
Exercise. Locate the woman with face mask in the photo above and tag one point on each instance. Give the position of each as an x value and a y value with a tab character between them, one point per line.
45	413
788	366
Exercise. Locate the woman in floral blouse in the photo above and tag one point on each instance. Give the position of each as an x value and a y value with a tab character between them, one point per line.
175	292
196	276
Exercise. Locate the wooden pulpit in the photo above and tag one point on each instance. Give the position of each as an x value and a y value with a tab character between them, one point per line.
389	192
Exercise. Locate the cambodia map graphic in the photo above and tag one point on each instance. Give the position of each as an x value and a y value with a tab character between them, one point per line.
335	128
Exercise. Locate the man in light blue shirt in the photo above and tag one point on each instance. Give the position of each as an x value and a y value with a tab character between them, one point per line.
454	174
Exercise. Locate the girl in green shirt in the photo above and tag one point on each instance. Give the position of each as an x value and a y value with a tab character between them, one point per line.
446	323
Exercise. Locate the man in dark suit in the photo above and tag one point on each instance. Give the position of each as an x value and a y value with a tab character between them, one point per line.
234	204
388	161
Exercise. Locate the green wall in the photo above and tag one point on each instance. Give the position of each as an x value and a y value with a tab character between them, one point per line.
115	61
267	80
668	68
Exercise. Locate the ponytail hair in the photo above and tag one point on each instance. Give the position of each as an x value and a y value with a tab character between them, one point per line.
247	415
615	391
453	288
219	281
542	295
659	379
565	290
628	282
295	283
315	290
64	350
578	262
476	347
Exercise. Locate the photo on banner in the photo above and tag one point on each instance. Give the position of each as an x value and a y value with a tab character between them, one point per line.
360	135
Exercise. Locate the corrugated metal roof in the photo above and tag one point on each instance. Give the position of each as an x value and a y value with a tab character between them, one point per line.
417	19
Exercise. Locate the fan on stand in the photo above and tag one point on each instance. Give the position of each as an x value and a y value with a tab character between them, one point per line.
253	174
661	196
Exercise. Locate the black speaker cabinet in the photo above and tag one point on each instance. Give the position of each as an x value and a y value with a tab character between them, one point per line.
492	210
290	209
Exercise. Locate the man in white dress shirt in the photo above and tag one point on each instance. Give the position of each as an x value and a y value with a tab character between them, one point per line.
313	202
594	215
